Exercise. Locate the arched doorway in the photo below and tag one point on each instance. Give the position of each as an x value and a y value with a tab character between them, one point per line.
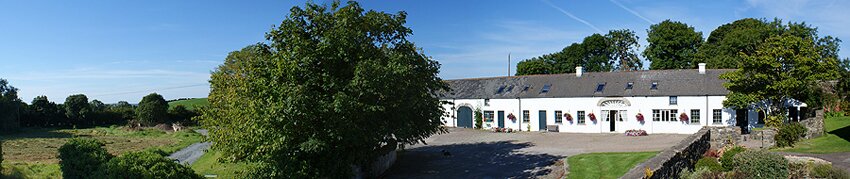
613	112
464	117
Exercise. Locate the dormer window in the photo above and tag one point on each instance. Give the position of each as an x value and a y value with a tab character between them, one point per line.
600	87
511	87
500	90
630	85
546	88
654	86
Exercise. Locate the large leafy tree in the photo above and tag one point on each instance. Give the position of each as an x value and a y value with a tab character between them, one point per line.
42	112
10	107
623	49
535	66
722	48
594	54
672	45
336	87
152	109
784	67
77	109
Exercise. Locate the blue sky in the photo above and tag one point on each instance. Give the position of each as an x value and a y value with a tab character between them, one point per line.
122	50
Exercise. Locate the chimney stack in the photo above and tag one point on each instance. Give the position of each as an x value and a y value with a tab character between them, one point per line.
701	68
579	70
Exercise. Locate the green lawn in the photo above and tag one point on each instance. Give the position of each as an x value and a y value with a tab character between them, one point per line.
190	103
33	153
605	165
209	165
837	138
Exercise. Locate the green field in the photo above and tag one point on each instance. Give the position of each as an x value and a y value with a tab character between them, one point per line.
209	164
836	139
33	153
605	165
190	103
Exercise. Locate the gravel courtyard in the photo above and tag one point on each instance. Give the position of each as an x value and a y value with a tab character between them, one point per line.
468	153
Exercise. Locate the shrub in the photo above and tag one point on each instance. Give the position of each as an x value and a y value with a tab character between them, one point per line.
828	171
146	165
761	164
726	159
774	121
713	153
82	158
789	134
710	163
1	155
479	119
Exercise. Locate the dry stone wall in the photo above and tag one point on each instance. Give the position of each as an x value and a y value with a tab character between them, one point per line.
670	162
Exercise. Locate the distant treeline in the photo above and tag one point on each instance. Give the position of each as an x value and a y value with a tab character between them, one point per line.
78	111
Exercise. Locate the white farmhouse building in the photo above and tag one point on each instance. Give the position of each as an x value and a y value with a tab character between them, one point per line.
670	101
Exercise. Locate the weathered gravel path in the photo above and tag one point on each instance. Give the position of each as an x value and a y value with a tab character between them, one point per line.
193	152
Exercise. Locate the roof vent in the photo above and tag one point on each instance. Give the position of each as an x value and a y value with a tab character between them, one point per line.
701	68
579	69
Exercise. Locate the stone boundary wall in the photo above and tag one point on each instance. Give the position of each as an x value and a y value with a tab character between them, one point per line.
671	161
377	167
814	124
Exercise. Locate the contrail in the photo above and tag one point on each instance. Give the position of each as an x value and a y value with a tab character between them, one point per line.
573	16
633	12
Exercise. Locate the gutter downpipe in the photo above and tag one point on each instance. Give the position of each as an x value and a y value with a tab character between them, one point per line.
519	128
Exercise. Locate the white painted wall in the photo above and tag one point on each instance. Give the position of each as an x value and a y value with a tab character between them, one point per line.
643	105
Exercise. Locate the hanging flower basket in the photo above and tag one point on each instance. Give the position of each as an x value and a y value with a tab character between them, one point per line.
592	117
568	117
639	117
683	117
512	117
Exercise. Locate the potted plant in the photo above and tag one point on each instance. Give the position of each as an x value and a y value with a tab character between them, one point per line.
683	117
512	117
568	117
639	117
591	116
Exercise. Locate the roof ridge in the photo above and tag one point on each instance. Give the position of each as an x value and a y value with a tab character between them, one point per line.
558	74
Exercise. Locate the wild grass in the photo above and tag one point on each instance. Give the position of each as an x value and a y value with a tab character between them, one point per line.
33	153
209	164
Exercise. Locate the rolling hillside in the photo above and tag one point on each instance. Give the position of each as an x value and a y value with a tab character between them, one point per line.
190	103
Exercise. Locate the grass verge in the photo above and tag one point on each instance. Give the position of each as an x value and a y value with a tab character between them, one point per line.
209	164
605	165
836	139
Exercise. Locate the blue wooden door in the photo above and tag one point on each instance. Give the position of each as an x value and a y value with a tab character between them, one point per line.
464	117
501	120
542	123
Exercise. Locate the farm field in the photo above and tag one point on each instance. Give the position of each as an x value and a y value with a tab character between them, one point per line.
33	153
190	103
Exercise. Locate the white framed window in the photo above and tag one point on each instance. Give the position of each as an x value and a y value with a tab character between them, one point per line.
580	117
604	115
488	116
622	115
695	116
486	102
674	100
559	115
665	115
716	117
526	116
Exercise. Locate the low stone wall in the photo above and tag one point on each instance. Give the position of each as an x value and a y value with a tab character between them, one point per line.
671	161
814	125
722	136
377	167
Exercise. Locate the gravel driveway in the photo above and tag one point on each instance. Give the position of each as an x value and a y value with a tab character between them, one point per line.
468	153
193	152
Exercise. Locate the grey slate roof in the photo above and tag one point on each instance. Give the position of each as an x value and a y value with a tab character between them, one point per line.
686	82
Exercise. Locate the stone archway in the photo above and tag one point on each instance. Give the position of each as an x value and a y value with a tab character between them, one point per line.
613	110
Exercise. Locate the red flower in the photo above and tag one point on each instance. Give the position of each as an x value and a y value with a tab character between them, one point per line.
568	116
511	116
639	117
683	117
591	116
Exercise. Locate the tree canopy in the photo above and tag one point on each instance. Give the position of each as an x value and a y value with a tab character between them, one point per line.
77	109
315	101
594	54
152	109
784	67
9	106
624	45
672	45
